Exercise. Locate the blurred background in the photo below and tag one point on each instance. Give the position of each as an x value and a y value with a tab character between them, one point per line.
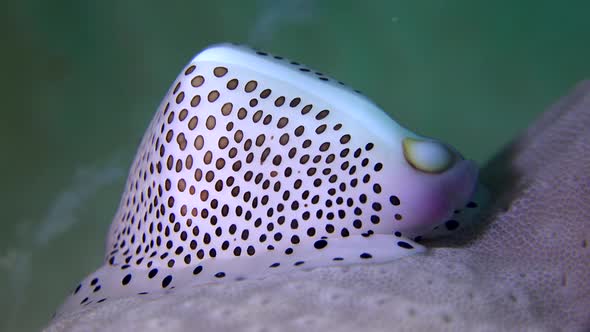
80	81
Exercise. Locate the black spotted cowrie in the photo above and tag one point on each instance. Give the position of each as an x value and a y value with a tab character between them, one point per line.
254	164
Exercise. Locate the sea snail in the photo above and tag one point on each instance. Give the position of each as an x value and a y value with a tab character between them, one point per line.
255	164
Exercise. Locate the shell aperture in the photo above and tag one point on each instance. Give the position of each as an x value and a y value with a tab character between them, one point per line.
254	164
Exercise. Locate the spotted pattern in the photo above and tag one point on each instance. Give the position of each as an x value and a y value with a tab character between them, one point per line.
234	166
325	175
302	69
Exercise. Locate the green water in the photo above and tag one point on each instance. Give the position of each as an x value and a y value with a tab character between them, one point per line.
80	81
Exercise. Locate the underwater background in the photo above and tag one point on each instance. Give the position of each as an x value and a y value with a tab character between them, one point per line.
80	80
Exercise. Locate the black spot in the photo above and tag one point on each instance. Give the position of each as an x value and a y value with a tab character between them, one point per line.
142	293
152	273
96	289
471	205
344	232
77	289
166	281
219	274
366	255
394	200
126	279
398	234
197	270
298	263
404	245
452	225
289	251
363	198
94	281
275	264
101	300
320	244
337	259
418	238
375	219
84	300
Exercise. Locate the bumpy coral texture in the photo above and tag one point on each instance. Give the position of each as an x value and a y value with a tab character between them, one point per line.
526	265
